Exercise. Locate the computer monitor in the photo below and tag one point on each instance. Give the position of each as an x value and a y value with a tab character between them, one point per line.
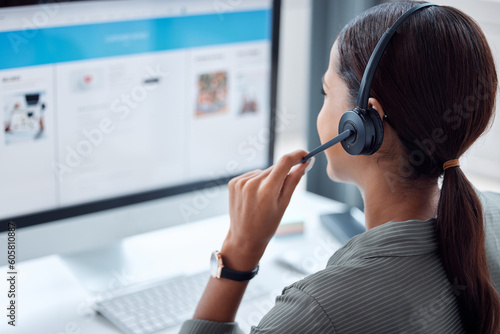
113	106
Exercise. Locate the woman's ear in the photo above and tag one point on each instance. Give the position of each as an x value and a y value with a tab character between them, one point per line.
373	103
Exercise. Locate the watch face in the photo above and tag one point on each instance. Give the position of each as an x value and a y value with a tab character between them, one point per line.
214	265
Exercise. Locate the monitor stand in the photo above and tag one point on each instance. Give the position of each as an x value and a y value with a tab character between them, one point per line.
101	269
142	259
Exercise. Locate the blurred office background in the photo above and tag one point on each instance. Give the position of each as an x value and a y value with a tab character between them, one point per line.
308	30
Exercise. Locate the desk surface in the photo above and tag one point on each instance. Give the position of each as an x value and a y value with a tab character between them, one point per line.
53	300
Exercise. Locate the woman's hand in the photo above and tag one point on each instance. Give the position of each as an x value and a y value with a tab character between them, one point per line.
257	202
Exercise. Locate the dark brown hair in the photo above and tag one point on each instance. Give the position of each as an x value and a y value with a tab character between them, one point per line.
437	84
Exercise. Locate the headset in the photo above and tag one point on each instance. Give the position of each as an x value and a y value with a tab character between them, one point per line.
361	131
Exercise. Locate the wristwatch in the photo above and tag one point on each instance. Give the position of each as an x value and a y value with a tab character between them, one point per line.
218	270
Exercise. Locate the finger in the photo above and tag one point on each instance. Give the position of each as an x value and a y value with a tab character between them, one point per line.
236	184
235	180
290	183
265	173
250	173
243	176
242	179
282	168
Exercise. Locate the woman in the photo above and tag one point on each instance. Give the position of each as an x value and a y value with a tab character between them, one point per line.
423	265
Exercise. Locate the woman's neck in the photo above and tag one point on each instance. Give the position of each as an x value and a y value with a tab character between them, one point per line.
385	202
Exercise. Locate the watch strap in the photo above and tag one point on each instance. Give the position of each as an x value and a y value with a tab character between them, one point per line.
239	276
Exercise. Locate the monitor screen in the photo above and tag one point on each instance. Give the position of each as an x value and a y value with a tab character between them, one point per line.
110	103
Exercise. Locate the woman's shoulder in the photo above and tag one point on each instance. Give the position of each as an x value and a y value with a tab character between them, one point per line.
367	275
491	204
363	291
491	216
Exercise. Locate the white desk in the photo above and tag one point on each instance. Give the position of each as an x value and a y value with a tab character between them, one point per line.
51	300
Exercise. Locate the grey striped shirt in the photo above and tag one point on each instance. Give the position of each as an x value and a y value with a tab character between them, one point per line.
389	279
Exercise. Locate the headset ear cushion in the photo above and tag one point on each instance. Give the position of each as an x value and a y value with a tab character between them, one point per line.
379	130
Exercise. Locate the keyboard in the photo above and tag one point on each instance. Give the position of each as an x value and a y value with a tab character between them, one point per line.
152	307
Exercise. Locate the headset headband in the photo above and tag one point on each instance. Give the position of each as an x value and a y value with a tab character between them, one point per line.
371	67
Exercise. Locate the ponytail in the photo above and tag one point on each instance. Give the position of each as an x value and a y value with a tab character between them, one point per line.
461	236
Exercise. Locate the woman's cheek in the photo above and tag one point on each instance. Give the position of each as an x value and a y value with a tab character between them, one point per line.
319	125
326	126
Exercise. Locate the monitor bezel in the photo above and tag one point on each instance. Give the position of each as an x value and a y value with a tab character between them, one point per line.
53	215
